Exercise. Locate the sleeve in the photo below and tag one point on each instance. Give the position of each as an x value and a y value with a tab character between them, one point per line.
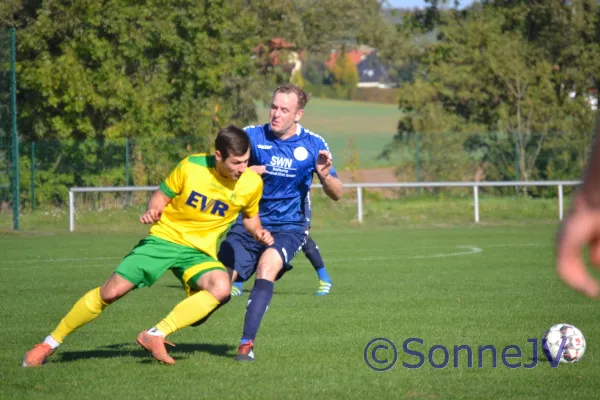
253	149
250	209
173	185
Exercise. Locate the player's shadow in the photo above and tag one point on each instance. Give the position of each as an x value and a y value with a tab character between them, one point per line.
179	352
247	291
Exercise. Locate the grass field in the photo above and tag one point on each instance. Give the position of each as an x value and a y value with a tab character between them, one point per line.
370	126
456	285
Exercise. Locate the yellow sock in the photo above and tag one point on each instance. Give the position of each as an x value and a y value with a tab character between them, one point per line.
190	310
85	310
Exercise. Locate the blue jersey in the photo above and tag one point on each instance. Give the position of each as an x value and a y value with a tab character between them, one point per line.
290	165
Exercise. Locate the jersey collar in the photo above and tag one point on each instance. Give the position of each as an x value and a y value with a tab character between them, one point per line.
299	129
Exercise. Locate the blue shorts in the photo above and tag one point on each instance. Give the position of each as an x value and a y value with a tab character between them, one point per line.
241	252
308	209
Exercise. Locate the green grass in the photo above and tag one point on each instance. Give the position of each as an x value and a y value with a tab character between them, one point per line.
370	126
393	282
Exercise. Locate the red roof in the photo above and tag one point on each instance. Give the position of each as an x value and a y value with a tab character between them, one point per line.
355	56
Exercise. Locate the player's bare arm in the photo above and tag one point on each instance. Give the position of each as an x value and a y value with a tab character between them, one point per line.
581	229
254	226
156	205
332	186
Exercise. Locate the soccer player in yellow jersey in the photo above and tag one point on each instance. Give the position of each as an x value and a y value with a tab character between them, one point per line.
190	215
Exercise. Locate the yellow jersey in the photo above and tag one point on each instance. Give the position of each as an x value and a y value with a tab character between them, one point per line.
204	204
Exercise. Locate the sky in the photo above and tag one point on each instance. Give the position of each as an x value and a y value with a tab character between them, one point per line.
420	3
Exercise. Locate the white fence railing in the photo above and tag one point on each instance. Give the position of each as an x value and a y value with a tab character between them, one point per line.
359	189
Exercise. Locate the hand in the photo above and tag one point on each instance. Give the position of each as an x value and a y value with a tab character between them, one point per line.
581	228
324	164
151	216
259	169
264	236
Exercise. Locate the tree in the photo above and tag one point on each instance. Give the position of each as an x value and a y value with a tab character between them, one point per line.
495	75
100	72
344	76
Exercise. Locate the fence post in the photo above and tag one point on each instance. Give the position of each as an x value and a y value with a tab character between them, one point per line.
360	205
71	212
476	199
32	176
517	156
560	202
418	160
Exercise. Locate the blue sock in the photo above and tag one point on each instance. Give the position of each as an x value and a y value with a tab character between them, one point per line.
260	297
312	253
239	285
323	275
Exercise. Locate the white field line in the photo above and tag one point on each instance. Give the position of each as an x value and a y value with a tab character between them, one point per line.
468	249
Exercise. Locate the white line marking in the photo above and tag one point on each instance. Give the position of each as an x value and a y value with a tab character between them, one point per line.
471	250
412	249
51	260
86	265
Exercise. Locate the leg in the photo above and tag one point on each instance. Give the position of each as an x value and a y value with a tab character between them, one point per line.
269	264
207	284
312	253
85	310
232	275
146	262
213	292
239	253
273	260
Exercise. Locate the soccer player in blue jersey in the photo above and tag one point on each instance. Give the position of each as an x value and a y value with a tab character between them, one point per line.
287	155
312	253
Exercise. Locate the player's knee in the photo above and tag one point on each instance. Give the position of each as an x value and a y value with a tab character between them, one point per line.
109	294
115	288
268	267
220	289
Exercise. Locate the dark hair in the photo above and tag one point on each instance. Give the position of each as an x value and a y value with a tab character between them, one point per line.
232	141
289	88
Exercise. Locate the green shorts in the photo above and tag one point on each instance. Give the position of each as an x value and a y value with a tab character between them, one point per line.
153	256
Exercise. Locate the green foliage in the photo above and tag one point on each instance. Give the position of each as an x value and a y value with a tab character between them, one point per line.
314	69
497	68
95	73
5	120
102	72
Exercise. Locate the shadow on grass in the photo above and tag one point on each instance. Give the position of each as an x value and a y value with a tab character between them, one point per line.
245	290
180	352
